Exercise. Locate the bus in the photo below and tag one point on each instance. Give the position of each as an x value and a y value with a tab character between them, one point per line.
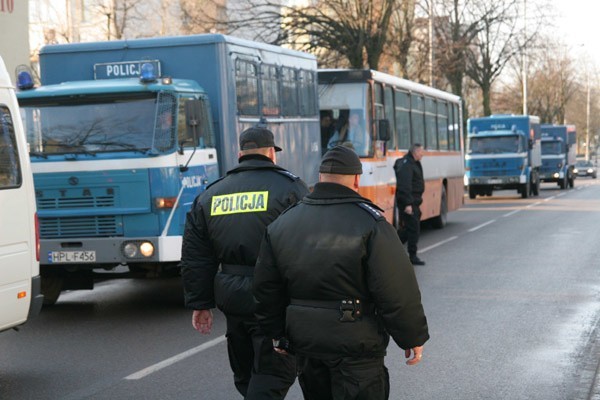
125	134
396	113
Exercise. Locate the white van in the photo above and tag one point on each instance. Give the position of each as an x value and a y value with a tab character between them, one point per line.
20	296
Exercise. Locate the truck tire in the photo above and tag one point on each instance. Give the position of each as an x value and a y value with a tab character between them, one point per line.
535	188
562	183
51	288
441	220
472	193
525	188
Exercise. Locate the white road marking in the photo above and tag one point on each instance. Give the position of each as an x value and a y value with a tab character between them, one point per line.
512	213
170	361
482	225
438	244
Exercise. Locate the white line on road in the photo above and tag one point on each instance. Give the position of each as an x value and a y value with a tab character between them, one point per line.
537	203
438	244
482	225
512	213
169	361
549	198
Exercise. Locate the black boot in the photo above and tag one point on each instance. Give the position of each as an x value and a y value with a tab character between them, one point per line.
416	260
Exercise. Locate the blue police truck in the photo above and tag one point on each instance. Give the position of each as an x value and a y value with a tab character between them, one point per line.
123	136
503	152
559	154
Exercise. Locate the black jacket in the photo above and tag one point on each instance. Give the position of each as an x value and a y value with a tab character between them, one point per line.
410	184
225	227
335	245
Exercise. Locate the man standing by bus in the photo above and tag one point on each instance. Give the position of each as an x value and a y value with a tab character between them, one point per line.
410	186
221	241
332	277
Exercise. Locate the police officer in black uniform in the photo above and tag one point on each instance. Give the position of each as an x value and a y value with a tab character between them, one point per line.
333	282
220	245
410	186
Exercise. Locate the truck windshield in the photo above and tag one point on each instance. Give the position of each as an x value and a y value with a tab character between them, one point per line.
495	144
551	147
89	125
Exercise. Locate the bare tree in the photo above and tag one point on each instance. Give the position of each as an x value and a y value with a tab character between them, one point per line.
356	29
495	45
119	15
455	29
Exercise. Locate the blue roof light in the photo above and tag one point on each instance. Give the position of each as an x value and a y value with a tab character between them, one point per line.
24	79
147	73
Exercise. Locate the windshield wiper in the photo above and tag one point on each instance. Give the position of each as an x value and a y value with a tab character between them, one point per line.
126	146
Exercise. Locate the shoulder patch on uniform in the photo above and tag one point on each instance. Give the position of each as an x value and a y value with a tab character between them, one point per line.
288	174
371	210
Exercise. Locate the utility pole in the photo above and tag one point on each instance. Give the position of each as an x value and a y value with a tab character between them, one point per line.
524	57
431	43
587	120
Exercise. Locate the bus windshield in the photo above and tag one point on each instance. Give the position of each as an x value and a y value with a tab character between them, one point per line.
495	144
551	147
90	125
343	107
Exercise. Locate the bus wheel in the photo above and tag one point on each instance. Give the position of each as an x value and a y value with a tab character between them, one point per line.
441	220
51	288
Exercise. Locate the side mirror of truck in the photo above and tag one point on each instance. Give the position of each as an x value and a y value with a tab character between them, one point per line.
383	130
193	116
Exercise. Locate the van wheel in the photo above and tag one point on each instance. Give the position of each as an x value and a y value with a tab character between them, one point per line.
441	220
51	288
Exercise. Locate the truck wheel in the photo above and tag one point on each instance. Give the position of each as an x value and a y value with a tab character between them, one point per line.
535	189
472	193
562	183
525	188
440	221
51	288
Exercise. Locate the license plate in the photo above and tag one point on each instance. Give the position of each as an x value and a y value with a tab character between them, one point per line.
494	181
85	256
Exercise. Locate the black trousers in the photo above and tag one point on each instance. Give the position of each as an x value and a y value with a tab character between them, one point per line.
410	229
345	378
258	371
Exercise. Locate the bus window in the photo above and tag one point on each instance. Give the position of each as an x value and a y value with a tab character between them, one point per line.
308	93
246	86
402	120
289	92
270	90
389	115
10	172
451	141
442	123
430	124
455	130
351	130
417	122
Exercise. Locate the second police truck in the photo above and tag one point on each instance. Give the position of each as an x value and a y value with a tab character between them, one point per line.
504	152
123	136
558	154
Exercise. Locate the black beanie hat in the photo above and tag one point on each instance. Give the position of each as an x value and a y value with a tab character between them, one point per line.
341	160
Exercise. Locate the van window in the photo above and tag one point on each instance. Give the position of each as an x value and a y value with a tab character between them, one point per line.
10	170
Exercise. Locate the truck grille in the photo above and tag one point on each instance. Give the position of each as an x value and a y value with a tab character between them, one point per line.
75	202
92	226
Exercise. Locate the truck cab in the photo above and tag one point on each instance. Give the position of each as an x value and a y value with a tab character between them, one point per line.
503	152
558	155
117	163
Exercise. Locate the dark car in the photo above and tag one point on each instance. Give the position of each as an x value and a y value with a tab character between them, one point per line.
585	168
